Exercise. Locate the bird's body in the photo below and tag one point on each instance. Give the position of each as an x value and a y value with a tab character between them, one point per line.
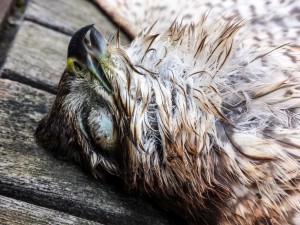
195	117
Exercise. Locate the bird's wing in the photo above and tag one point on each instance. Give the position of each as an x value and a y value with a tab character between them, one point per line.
258	125
264	105
273	21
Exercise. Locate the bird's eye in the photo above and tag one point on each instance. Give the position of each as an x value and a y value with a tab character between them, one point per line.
77	67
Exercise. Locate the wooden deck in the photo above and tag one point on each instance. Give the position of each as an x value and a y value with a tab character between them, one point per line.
35	187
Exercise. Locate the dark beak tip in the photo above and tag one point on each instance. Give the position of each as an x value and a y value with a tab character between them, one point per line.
98	41
77	41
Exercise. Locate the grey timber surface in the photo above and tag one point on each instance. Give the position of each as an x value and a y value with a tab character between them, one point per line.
15	212
30	174
37	57
68	16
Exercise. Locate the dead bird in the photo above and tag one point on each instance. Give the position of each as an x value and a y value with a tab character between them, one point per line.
195	117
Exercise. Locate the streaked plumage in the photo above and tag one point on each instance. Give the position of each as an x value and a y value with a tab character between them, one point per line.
203	121
272	21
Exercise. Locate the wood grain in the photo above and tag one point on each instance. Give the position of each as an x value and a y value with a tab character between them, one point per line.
15	212
30	174
37	57
69	16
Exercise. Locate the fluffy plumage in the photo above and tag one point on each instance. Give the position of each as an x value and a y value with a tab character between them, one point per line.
205	123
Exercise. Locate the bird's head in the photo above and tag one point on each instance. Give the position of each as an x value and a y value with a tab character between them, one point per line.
84	56
145	112
82	121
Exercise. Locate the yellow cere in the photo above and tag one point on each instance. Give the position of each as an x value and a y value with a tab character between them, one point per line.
70	63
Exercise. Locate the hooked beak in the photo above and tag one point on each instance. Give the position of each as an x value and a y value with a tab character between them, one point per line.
89	53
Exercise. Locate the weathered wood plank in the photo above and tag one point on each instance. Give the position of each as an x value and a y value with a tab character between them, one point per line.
68	16
37	57
30	174
15	212
5	6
